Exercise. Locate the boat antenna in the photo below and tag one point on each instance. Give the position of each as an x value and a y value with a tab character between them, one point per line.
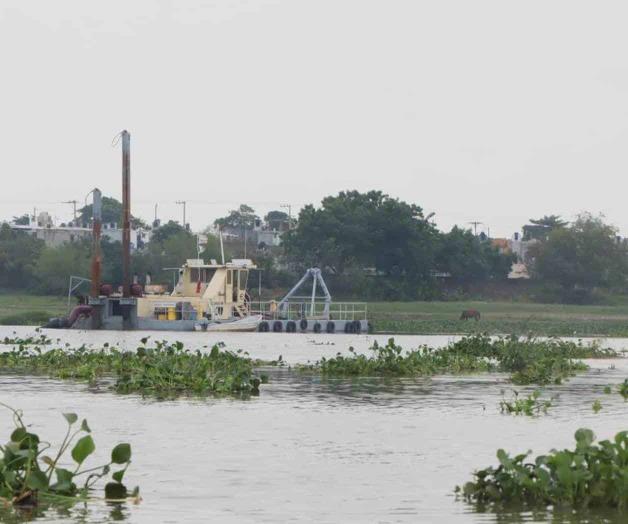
222	248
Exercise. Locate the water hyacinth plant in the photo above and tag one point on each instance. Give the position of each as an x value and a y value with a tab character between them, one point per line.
529	361
162	369
591	475
33	340
529	406
26	474
392	360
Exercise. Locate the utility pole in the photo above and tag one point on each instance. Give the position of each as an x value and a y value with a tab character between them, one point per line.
475	225
289	208
126	214
73	202
183	203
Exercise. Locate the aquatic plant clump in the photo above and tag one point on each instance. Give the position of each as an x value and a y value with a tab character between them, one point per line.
161	370
392	360
32	340
530	361
27	475
531	405
591	475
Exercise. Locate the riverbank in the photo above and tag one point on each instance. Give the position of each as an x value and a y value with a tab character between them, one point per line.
30	310
414	318
499	318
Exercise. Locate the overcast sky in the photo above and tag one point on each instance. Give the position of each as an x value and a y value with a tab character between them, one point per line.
495	111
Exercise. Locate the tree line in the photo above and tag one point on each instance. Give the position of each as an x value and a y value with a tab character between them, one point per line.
369	246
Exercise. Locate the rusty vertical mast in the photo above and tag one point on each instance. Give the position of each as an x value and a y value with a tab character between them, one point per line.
96	228
126	213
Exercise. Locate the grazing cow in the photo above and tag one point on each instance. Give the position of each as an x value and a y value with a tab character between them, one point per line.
470	314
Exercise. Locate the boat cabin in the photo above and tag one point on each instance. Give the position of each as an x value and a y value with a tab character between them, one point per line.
213	291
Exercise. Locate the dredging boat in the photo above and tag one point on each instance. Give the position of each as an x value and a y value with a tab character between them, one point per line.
206	296
214	297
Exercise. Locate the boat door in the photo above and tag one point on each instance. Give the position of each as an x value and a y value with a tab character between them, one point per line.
231	287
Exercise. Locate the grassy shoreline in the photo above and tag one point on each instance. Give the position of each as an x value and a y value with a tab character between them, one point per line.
443	318
414	318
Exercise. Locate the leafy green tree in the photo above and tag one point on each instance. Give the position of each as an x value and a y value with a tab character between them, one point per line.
551	221
19	252
23	220
469	259
56	264
354	231
540	228
277	220
169	229
242	218
111	213
579	258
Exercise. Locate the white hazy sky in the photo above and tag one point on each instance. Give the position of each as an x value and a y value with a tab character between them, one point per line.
495	111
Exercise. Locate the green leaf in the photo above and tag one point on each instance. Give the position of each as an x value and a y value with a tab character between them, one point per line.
85	427
121	453
64	475
115	490
37	480
584	437
70	417
83	448
64	484
118	475
18	435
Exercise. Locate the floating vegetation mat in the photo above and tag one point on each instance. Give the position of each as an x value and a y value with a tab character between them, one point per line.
590	476
162	369
528	360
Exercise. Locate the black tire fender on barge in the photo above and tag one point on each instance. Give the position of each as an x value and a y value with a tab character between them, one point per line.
330	327
317	327
263	327
277	326
291	326
303	324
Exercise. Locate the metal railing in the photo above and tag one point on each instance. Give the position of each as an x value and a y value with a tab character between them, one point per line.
314	311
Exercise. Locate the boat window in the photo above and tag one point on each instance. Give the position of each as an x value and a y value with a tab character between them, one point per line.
243	278
229	277
202	274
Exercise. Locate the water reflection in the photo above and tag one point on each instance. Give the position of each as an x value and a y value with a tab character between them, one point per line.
549	515
93	512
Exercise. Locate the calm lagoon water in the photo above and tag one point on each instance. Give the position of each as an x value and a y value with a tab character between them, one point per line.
307	449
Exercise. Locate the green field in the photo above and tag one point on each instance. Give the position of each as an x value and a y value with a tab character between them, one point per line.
412	317
30	309
499	318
